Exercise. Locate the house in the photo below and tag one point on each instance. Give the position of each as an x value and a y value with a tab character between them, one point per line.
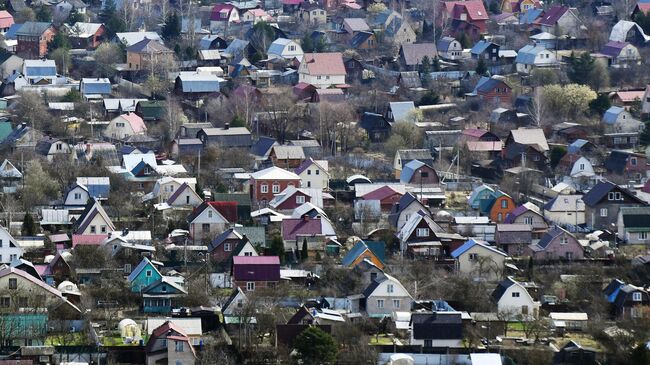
285	48
288	157
52	147
255	16
124	126
63	8
512	238
645	102
362	251
10	65
485	50
315	231
93	220
526	146
401	111
291	198
33	38
497	206
255	272
621	53
617	120
143	275
235	303
575	166
226	137
603	202
266	183
403	209
385	195
479	260
167	186
93	88
556	244
78	194
151	110
316	314
186	146
449	49
468	17
33	293
479	193
352	26
514	300
519	6
363	41
185	196
10	177
628	31
395	28
418	237
376	125
312	13
160	296
527	213
561	20
322	69
228	244
492	89
628	301
439	329
39	72
411	55
534	56
86	35
629	164
223	16
565	210
127	39
6	21
197	84
171	345
403	157
634	224
418	173
10	250
314	174
148	54
206	221
384	296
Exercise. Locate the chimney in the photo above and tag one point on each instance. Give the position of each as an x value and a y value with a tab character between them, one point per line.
305	217
110	234
226	126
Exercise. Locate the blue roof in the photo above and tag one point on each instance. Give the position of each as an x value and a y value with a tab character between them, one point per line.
528	53
471	243
277	46
99	191
480	47
144	263
409	170
612	297
577	145
236	47
206	41
376	247
40	71
94	87
11	32
262	146
530	16
612	114
451	75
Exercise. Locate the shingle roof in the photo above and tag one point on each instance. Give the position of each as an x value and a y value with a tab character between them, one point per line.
636	217
600	190
530	136
414	53
325	63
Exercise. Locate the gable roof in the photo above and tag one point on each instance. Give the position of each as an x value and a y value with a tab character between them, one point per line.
33	29
635	217
480	47
325	63
401	109
471	243
502	287
93	208
136	123
11	270
8	170
601	189
530	137
381	193
141	266
550	235
552	15
359	248
207	205
274	173
414	53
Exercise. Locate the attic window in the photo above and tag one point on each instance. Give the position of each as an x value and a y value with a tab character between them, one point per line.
636	297
515	294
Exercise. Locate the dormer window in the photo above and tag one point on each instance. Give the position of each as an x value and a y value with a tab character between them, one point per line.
636	296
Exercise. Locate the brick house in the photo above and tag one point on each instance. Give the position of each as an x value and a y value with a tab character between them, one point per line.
266	183
33	38
255	272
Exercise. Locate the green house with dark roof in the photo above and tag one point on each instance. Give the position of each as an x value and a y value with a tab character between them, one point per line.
150	109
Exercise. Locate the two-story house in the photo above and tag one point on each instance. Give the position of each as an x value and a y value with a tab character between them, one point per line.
33	38
265	184
383	296
206	221
93	220
603	202
479	260
169	344
417	236
314	173
514	300
124	126
322	69
556	244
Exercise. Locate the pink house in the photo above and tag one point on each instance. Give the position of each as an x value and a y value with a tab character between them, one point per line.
6	21
556	244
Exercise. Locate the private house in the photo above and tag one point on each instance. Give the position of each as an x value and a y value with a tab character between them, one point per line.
186	146
229	244
167	186
383	296
468	17
78	194
481	192
401	111
124	126
266	183
10	65
514	299
526	147
312	13
255	16
255	272
403	157
527	213
411	55
497	206
352	26
417	236
479	260
519	6
169	344
376	125
395	28
534	56
315	231
449	49
556	244
226	137
629	164
403	209
149	54
628	301
6	21
363	41
437	329
52	147
314	174
418	173
160	296
93	220
288	157
619	120
291	198
485	50
513	238
33	38
621	53
565	210
205	222
31	292
86	35
322	69
184	197
39	72
95	88
235	302
197	84
627	31
603	202
386	196
575	166
493	89
645	102
130	38
365	251
10	250
143	275
10	177
634	225
285	48
223	16
150	110
561	20
63	8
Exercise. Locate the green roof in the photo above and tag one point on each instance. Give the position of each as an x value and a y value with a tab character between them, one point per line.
5	130
240	198
151	109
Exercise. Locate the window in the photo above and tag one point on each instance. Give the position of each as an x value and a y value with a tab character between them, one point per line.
205	228
248	253
633	161
5	302
636	296
209	214
187	199
227	247
12	257
59	146
317	172
396	303
93	229
428	343
264	188
77	196
499	217
309	184
564	240
164	288
610	196
240	303
300	199
603	212
0	243
423	232
308	172
276	188
618	196
515	294
119	125
380	303
643	236
13	283
102	229
568	255
528	220
390	288
250	286
149	273
473	257
179	346
504	204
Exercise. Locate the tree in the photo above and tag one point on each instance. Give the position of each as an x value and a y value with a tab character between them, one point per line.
556	155
172	27
43	14
430	98
112	21
643	20
107	55
304	253
307	43
531	265
60	40
640	355
277	247
543	77
25	15
581	68
32	110
75	17
29	226
600	104
61	57
599	76
481	67
72	96
568	101
315	347
262	36
40	187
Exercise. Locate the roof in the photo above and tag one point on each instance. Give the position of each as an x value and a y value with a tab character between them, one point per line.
256	268
376	248
600	190
474	8
414	53
444	43
635	217
131	38
380	194
487	84
502	287
278	45
530	136
274	173
33	29
359	38
621	29
356	24
141	266
150	46
292	228
283	152
550	235
471	243
480	47
230	131
10	270
528	54
553	14
325	63
41	67
613	48
136	123
437	325
6	19
408	171
84	30
611	115
401	109
423	155
630	96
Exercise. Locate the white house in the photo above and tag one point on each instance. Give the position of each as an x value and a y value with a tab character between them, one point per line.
582	167
322	69
449	49
479	260
9	248
619	120
314	174
285	48
206	222
386	295
513	298
77	196
94	220
51	147
40	72
534	56
255	16
125	125
166	187
565	209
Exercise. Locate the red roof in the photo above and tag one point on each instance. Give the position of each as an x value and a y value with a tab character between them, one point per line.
552	15
256	268
325	63
380	194
256	260
474	9
6	19
221	12
88	239
227	209
630	96
474	132
644	7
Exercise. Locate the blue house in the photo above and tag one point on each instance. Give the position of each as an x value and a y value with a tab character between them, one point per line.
95	87
375	251
159	296
479	193
143	276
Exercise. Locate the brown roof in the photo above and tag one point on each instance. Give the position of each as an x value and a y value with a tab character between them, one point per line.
325	63
413	53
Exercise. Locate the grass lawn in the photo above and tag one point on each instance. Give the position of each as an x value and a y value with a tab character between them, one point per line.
380	340
70	339
515	327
